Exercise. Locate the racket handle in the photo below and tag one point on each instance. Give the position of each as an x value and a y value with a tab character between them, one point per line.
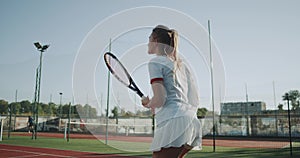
139	93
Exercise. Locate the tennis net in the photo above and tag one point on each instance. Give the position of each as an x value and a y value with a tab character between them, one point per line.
126	135
111	129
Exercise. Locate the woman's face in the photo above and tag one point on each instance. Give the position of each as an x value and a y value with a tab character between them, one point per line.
152	45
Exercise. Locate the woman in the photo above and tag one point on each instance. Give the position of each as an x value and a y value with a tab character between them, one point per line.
175	98
30	124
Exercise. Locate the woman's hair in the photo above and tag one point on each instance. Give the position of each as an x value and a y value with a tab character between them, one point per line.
168	38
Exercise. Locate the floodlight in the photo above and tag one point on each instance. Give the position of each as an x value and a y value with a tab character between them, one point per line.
38	45
44	47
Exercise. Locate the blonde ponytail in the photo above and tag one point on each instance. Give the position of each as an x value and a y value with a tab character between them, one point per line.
174	46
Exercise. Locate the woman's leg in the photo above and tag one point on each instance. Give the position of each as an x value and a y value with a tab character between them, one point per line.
172	152
184	151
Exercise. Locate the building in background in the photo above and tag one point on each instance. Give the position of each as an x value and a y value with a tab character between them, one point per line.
243	108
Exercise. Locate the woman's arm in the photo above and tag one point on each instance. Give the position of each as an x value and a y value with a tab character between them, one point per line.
159	96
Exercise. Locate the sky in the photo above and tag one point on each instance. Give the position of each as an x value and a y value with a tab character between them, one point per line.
258	43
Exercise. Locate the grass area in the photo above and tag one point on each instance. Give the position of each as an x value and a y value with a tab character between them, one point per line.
89	145
99	147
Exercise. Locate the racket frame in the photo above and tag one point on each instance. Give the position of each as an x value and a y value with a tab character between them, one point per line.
132	84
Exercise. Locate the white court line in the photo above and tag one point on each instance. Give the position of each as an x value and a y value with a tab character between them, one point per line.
24	156
29	152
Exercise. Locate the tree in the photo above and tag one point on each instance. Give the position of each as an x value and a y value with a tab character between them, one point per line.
25	107
15	107
90	111
52	108
201	112
114	111
93	112
86	112
294	97
45	109
3	107
80	110
65	110
280	107
115	114
74	113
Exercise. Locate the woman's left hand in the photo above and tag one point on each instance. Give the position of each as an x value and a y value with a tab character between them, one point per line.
145	101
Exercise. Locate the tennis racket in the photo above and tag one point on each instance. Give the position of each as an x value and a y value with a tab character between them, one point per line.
119	71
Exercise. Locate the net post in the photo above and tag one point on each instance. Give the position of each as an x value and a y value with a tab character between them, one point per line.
68	124
1	129
65	131
9	124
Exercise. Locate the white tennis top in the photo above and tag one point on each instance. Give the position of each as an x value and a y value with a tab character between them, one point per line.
181	90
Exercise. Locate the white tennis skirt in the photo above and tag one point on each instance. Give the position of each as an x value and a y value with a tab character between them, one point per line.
176	132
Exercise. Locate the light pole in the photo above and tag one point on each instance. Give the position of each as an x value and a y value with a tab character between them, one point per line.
247	111
287	97
60	105
42	49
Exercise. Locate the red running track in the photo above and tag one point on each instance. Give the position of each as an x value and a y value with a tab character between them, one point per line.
10	151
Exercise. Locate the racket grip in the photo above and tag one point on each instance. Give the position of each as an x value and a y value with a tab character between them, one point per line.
139	93
143	97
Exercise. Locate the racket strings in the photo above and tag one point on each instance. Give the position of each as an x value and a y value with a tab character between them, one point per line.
117	70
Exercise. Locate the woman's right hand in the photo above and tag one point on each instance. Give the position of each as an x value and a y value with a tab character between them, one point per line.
145	103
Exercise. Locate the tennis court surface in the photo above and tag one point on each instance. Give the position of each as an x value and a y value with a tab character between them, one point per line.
50	145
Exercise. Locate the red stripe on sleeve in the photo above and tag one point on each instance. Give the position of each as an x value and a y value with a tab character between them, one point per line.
156	79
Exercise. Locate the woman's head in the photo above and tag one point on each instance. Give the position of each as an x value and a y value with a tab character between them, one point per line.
163	41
